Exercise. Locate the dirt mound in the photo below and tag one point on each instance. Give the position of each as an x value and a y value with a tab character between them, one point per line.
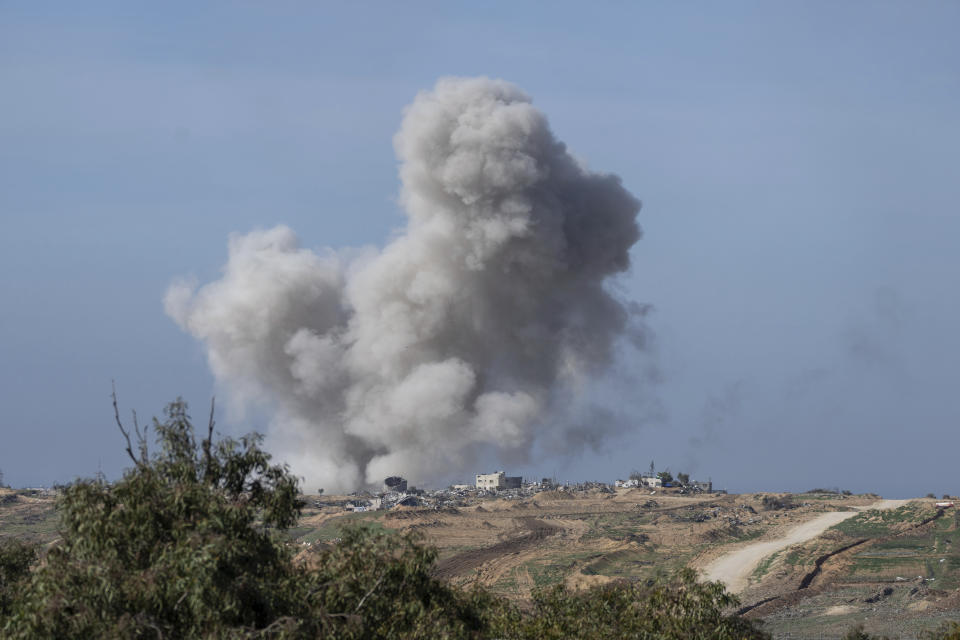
721	533
8	498
429	525
778	503
406	513
556	495
535	531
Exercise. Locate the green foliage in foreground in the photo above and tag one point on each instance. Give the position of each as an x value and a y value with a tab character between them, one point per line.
669	607
187	545
15	560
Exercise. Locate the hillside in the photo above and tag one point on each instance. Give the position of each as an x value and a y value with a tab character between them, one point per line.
897	568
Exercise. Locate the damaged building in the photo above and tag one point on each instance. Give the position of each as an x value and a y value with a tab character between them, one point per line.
497	481
395	484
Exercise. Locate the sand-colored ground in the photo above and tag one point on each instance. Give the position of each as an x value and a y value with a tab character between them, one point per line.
589	538
735	567
586	538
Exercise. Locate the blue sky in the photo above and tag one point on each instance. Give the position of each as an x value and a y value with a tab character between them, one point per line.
797	162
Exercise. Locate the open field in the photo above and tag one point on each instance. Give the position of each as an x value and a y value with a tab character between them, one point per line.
895	571
28	515
736	568
820	567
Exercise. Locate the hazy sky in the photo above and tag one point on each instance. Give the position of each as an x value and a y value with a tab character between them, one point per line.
798	165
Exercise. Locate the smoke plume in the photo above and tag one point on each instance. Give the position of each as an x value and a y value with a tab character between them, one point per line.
460	337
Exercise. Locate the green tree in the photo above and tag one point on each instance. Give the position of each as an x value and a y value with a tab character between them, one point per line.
665	476
668	608
189	544
16	557
383	582
182	546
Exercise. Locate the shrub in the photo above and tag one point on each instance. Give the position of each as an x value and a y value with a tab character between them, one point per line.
187	545
182	546
775	503
382	583
669	607
15	560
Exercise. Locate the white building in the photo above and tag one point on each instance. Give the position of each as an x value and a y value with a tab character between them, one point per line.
498	480
491	481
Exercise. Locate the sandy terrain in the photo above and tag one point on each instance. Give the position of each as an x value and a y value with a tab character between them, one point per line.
735	568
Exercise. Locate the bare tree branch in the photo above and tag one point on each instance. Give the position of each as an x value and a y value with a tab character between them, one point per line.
136	425
141	438
367	594
208	443
126	434
143	450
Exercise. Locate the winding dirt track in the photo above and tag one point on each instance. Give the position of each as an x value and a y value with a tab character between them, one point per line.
735	568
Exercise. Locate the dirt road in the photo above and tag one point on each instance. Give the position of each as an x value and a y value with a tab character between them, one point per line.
735	568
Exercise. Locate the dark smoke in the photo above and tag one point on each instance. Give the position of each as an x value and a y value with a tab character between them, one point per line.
461	333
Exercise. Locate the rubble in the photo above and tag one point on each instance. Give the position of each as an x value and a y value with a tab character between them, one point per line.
397	493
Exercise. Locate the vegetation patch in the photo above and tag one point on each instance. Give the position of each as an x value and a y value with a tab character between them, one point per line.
619	526
877	524
37	523
929	555
764	567
333	528
777	503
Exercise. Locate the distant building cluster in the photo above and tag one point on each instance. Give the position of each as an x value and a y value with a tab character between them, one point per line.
651	481
397	493
645	481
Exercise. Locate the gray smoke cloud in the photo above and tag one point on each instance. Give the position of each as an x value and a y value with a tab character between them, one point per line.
462	335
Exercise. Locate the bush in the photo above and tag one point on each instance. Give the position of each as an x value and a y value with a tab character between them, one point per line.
15	560
382	583
775	503
669	607
182	546
188	544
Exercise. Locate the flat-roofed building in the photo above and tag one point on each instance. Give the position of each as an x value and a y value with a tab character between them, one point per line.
492	481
